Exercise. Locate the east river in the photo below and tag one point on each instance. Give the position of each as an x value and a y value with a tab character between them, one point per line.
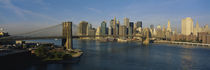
132	56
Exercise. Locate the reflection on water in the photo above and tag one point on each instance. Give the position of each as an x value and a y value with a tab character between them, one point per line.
134	56
186	59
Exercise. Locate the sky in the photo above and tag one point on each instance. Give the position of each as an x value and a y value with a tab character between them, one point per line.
27	15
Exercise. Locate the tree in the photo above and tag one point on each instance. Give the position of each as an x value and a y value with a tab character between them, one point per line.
41	51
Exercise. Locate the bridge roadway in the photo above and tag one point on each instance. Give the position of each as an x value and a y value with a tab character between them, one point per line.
62	37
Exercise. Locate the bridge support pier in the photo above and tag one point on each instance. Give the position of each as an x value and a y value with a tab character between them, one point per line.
67	33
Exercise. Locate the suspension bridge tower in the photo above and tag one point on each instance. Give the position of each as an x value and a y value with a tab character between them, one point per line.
67	34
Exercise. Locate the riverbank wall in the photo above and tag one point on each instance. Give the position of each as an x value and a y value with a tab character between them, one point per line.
181	43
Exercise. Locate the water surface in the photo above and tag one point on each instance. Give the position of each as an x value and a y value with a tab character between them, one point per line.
133	56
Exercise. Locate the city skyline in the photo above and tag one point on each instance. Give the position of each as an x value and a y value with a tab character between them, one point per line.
16	15
104	34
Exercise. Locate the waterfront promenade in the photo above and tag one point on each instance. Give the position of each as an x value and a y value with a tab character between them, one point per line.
182	43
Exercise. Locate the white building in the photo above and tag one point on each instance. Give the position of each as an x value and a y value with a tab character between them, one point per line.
187	26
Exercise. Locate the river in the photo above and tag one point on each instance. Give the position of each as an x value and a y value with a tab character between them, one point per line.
132	56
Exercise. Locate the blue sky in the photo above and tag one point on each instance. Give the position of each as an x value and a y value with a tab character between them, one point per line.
23	15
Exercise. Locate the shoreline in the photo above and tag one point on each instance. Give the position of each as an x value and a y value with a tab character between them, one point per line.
182	43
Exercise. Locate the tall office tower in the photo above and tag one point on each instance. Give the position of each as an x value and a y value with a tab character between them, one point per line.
164	31
98	32
130	28
175	31
123	31
114	26
111	25
103	28
154	32
164	28
187	26
159	32
168	30
152	27
196	29
169	26
92	32
110	30
117	27
206	28
82	28
89	28
126	22
139	24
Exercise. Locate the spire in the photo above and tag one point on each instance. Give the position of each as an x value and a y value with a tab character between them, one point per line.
118	22
197	25
164	29
169	26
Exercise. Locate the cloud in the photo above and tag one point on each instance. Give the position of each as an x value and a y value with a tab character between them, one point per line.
9	5
22	12
95	10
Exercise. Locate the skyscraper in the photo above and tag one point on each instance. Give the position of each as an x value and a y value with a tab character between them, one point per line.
130	29
206	28
89	28
152	29
103	28
82	28
164	31
196	29
98	32
139	24
111	27
126	22
91	31
114	26
169	26
111	23
110	31
164	28
152	26
159	32
168	30
123	31
187	26
117	27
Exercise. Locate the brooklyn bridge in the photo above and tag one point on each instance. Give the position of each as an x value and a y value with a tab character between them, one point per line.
65	31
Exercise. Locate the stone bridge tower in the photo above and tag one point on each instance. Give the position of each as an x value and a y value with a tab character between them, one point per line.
67	34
